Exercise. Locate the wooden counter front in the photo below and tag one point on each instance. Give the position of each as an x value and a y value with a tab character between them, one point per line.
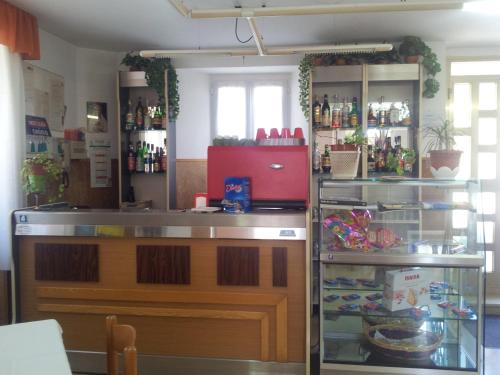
235	299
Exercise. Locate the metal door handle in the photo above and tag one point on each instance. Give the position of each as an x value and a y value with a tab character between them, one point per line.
276	166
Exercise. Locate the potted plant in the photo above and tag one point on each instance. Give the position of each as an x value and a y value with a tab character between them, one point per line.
412	48
345	161
40	172
440	142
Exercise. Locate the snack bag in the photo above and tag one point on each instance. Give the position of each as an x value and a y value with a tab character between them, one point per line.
236	195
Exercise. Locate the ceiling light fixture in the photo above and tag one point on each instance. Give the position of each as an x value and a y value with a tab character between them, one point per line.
309	10
272	51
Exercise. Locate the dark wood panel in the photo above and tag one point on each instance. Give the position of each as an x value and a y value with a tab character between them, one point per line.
66	262
280	266
237	265
163	264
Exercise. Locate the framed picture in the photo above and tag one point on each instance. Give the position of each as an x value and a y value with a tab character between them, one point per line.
97	117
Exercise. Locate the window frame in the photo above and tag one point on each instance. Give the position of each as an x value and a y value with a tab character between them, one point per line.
249	82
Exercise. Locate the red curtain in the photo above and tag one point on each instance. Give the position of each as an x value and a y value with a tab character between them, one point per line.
19	31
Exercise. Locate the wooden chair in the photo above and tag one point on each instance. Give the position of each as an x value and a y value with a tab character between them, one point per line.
120	339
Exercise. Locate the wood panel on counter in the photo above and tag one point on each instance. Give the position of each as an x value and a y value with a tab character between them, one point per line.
191	178
280	266
163	264
237	265
200	319
4	297
66	262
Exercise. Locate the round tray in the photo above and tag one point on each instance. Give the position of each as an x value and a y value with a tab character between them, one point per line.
403	350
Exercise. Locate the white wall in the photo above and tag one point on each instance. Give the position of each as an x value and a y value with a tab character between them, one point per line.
96	82
59	56
89	75
193	123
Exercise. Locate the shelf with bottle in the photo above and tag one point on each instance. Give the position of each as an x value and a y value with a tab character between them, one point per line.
390	115
341	115
145	159
144	118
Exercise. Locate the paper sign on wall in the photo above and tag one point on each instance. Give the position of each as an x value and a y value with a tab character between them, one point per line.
100	165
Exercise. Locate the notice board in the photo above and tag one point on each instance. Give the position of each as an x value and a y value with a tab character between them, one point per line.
44	95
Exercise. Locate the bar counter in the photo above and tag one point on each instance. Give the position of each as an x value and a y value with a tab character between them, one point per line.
194	285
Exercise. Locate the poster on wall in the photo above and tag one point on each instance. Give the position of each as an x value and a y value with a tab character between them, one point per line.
97	117
44	95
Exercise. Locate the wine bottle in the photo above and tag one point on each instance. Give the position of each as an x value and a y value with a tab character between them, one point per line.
353	115
316	112
139	115
147	117
156	164
129	117
325	112
131	160
156	122
345	114
325	160
336	113
139	158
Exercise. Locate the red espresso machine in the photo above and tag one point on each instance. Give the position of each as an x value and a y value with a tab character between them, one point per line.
278	174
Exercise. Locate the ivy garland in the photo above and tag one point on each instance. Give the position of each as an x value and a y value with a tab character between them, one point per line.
305	67
155	77
430	64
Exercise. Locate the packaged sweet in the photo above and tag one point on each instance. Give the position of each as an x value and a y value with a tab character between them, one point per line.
374	297
463	313
236	195
446	304
349	228
346	281
331	282
348	307
372	306
406	288
330	298
351	297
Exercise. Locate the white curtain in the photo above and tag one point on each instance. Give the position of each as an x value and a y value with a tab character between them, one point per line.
12	146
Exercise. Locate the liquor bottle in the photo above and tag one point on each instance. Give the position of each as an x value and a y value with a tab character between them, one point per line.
372	119
131	160
157	161
316	110
382	113
145	156
147	116
139	158
129	117
151	160
353	115
163	163
325	112
405	114
345	113
325	160
371	159
393	115
156	121
316	159
139	115
336	113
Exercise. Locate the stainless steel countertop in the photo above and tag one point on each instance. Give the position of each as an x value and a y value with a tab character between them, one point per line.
287	225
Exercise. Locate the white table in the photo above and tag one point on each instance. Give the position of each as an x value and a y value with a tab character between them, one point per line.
34	348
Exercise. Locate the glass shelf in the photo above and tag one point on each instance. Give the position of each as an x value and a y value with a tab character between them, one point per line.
379	288
399	206
143	130
356	350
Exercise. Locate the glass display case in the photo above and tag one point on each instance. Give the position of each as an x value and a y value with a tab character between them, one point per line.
401	276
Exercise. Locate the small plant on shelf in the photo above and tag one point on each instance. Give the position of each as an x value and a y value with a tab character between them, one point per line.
39	173
444	158
356	139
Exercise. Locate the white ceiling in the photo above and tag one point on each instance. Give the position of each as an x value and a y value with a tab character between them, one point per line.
122	25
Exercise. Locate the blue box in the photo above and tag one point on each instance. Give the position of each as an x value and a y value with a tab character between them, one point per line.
236	195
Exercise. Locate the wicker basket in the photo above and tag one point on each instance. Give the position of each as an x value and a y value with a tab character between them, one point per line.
403	351
345	163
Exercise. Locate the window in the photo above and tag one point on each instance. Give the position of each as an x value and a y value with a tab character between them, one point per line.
241	104
475	108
